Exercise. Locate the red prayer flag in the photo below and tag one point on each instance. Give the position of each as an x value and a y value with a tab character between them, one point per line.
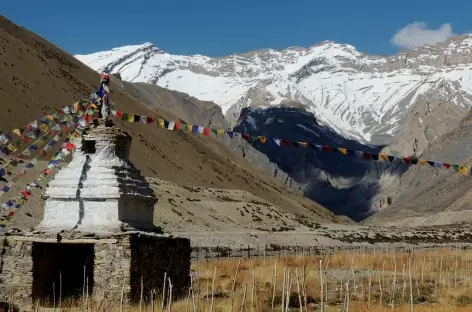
119	115
367	155
88	118
25	193
177	126
11	214
407	160
206	131
149	120
285	143
69	146
245	136
447	166
325	148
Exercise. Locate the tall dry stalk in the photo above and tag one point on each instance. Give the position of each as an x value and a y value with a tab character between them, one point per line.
60	290
381	293
455	272
163	291
198	290
326	284
152	300
411	286
422	270
440	269
188	299
213	290
347	297
369	288
394	281
289	289
122	294
141	296
283	289
169	304
298	289
304	284
87	296
243	303
321	285
274	282
404	282
193	294
234	285
83	289
253	287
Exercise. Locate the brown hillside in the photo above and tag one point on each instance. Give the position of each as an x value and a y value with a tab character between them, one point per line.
36	78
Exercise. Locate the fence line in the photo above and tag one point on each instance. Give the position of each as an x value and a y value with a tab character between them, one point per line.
275	251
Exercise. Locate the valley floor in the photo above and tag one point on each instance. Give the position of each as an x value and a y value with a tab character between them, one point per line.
376	280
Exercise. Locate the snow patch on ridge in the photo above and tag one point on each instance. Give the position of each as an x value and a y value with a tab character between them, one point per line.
358	95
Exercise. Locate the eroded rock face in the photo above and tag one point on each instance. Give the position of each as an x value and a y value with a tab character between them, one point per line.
99	191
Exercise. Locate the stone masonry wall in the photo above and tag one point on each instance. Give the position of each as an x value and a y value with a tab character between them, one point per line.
16	272
112	269
152	257
121	259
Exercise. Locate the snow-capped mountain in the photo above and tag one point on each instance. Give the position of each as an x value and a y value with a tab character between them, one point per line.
362	97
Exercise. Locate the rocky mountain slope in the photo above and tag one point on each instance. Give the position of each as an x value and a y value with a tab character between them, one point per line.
345	184
179	104
36	78
331	94
209	114
360	96
434	196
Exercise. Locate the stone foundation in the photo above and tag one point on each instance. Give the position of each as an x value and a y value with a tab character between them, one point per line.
28	264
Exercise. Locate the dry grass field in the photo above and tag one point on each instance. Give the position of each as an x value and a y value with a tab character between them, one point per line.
377	280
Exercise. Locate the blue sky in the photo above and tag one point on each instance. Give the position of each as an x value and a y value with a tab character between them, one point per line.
220	27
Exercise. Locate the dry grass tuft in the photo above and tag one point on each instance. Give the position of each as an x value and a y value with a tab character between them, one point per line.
379	280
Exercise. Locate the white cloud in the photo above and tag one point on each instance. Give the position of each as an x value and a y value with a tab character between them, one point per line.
417	34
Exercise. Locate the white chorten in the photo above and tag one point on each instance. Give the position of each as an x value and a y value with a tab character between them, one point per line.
99	190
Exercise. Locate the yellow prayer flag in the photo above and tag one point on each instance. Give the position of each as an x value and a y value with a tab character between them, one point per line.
17	132
423	162
303	144
11	147
162	123
383	157
342	150
130	118
189	127
262	139
220	132
464	170
49	117
93	106
43	128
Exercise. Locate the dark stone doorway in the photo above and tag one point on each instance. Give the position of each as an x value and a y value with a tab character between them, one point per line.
62	272
88	147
